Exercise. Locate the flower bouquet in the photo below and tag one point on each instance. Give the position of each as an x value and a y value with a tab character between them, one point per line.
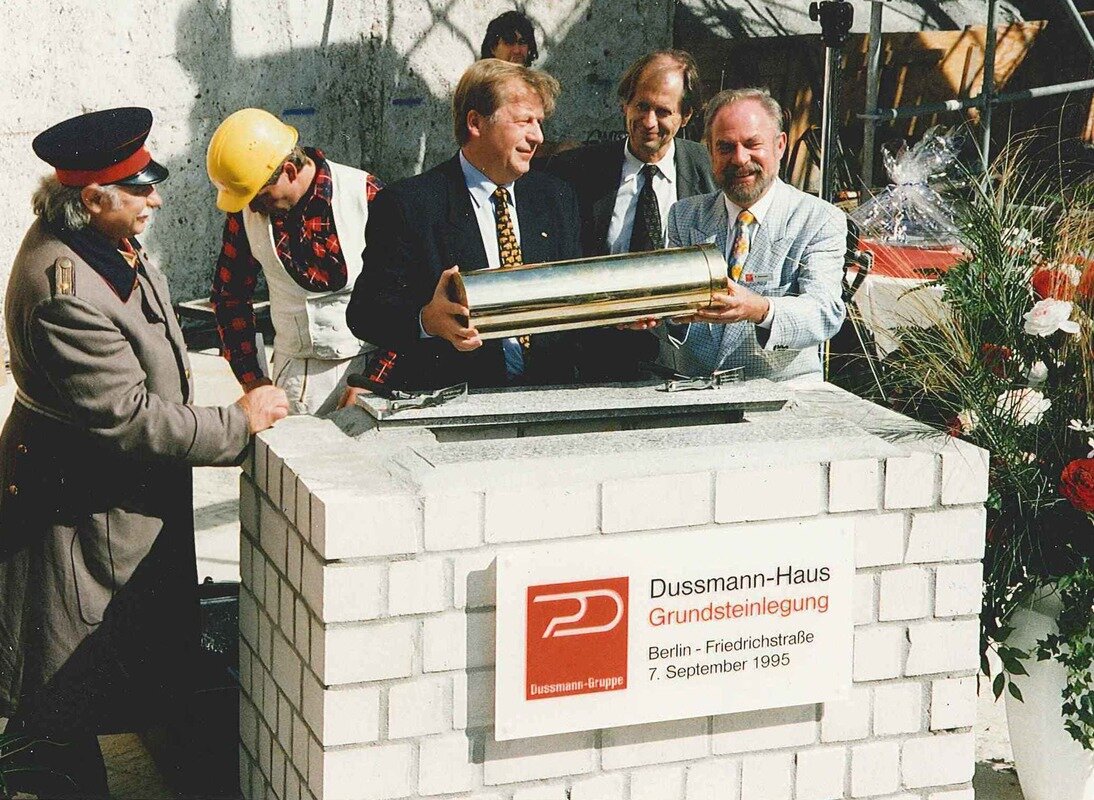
1009	367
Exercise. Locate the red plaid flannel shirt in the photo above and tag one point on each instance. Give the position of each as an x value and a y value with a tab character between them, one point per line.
307	244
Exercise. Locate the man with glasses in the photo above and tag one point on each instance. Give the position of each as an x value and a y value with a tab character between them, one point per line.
510	37
99	617
298	218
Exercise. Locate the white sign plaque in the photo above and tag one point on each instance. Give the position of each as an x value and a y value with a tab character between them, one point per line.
597	634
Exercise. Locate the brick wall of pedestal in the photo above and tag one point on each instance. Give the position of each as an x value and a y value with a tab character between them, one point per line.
367	623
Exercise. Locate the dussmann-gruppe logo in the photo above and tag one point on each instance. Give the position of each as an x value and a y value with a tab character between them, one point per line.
576	638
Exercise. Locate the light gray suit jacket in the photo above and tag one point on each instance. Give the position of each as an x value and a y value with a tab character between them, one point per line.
796	256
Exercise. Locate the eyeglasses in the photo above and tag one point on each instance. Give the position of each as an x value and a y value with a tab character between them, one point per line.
513	38
275	177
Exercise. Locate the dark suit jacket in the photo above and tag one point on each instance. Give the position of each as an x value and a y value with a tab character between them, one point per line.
422	225
594	172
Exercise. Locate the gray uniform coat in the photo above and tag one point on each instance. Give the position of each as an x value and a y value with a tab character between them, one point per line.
98	608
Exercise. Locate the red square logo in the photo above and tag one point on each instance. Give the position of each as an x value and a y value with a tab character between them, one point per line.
576	638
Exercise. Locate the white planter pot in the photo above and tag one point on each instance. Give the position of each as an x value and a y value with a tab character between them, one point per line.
1050	764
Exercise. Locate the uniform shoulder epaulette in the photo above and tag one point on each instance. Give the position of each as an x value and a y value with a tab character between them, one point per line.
64	276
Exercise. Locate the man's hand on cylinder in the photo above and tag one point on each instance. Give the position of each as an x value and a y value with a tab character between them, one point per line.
736	304
442	317
645	324
263	406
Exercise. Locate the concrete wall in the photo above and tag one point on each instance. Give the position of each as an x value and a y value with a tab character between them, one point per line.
367	80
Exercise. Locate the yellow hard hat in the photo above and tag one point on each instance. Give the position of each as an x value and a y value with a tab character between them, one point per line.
244	152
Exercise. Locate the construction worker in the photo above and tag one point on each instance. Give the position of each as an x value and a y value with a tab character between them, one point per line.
300	220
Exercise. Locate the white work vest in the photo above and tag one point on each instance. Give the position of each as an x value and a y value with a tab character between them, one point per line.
313	324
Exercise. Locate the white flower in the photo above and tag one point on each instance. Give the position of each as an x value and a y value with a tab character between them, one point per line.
1080	426
1074	274
1049	316
1025	406
1020	239
1037	374
968	419
1090	444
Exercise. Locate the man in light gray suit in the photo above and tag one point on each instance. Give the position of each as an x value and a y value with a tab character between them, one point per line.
784	249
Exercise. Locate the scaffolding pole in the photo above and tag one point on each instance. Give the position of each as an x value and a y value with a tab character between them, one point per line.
1080	25
988	90
986	100
906	112
873	82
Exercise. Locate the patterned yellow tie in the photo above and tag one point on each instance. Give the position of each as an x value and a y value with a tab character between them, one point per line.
508	246
741	244
510	256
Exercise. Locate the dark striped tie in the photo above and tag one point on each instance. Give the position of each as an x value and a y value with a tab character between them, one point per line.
646	233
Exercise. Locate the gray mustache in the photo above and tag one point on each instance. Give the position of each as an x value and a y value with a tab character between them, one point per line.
742	173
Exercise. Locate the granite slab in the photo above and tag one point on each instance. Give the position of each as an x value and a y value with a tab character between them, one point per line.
546	404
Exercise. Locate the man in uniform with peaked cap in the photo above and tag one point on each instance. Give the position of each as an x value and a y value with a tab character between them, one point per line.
99	617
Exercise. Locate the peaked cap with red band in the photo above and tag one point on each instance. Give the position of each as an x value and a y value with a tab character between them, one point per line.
103	147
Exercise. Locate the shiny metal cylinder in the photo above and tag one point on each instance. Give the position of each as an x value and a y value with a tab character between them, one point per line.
590	292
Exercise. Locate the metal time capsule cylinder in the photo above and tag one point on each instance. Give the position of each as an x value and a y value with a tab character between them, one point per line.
589	292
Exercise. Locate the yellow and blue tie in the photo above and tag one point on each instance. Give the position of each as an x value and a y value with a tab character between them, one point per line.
741	244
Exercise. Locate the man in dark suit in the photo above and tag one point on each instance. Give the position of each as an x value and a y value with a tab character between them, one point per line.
625	188
480	209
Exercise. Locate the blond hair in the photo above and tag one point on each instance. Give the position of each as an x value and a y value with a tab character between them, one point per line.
482	89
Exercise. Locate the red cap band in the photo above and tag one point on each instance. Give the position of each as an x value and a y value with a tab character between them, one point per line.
115	172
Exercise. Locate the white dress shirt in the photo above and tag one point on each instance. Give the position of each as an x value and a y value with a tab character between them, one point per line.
481	190
626	197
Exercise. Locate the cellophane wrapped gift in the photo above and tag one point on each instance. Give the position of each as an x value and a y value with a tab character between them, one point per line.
910	212
910	229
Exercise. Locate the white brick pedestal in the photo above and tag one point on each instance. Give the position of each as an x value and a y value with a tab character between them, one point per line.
367	606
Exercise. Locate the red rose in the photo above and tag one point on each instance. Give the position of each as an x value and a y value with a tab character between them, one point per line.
1052	283
995	358
1077	483
1085	290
